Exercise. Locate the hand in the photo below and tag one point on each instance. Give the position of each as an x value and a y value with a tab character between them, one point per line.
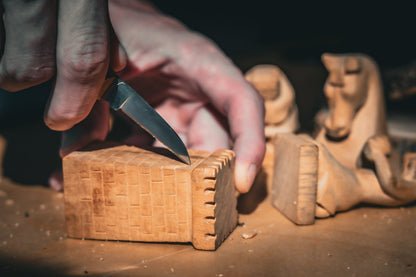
28	39
70	43
190	82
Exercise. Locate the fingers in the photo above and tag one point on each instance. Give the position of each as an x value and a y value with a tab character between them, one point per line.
242	105
206	131
246	125
117	53
94	127
29	43
82	61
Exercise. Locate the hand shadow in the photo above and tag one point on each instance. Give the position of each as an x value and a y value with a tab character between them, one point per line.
248	202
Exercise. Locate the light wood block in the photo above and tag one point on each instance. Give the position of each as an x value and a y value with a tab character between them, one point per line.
295	178
118	192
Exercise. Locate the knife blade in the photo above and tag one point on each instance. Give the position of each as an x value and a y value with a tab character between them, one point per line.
124	98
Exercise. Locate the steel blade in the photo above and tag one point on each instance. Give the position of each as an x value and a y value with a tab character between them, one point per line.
122	97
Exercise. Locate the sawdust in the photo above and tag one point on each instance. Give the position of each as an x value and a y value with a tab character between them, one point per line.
249	235
9	202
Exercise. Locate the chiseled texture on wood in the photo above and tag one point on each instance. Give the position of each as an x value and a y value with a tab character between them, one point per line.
127	193
295	178
214	200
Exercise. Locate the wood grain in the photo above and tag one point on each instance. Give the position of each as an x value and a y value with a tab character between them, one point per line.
295	178
118	192
214	200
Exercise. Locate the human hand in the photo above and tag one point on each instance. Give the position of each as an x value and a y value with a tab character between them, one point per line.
190	82
28	34
69	41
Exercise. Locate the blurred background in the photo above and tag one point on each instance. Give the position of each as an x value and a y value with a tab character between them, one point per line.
291	34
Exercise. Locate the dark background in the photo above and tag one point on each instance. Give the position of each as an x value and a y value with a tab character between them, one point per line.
290	34
384	31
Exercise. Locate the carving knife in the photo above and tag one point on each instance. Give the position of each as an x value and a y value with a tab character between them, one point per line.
125	99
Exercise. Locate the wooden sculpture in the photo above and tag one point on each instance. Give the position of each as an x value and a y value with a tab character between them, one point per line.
117	192
279	98
396	178
281	112
336	187
356	106
356	122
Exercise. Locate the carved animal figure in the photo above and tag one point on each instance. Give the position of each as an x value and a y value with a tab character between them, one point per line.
279	98
356	106
396	178
322	176
355	131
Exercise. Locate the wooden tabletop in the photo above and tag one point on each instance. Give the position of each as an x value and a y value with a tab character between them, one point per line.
366	241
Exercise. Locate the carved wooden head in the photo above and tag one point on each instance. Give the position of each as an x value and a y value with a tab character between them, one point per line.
266	79
346	91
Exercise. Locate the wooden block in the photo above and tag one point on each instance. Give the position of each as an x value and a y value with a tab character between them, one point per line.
295	178
118	192
214	200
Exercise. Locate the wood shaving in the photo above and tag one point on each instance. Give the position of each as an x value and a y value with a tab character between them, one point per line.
248	235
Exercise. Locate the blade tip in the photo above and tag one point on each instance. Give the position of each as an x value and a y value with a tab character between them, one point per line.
187	160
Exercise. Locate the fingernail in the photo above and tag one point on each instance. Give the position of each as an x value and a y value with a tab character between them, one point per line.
244	176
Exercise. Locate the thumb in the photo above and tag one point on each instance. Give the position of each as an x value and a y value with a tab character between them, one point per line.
118	56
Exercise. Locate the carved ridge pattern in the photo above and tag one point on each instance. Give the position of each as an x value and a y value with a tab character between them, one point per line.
308	177
209	182
116	194
127	193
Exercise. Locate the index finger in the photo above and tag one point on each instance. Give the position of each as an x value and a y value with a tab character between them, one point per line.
82	61
243	106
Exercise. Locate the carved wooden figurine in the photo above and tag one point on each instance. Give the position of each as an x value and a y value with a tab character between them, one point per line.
281	112
356	116
279	98
397	179
117	192
356	106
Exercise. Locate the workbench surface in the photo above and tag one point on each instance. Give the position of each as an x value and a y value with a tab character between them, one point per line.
366	241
